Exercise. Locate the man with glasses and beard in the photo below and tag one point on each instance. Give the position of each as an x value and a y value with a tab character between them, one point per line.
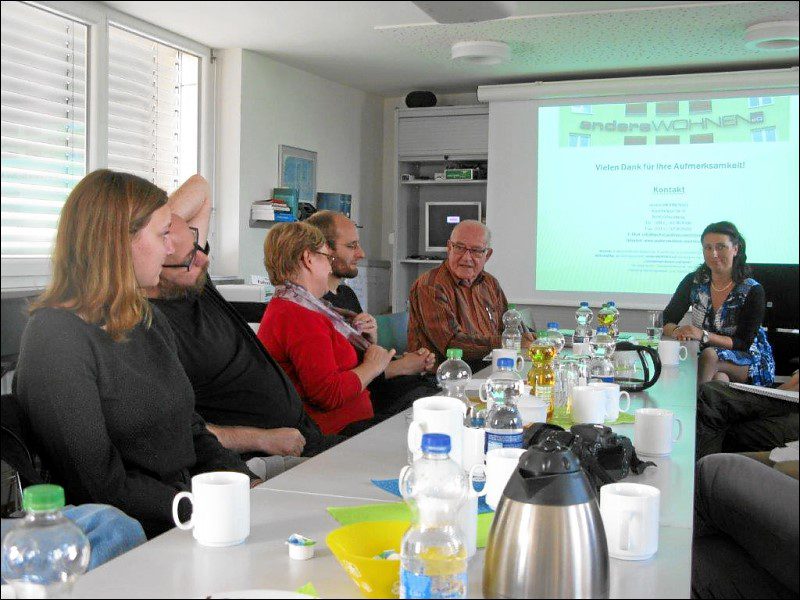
247	400
400	384
458	304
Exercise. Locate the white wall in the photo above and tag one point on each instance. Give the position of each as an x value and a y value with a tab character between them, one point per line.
283	105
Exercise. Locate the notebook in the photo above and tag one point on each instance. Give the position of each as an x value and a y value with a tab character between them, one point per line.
787	395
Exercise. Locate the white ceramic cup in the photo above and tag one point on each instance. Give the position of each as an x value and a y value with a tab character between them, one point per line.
499	353
474	447
588	404
654	431
532	409
437	414
671	352
220	508
500	464
613	395
630	518
579	348
468	514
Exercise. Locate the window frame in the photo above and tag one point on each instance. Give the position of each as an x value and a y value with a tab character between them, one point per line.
23	273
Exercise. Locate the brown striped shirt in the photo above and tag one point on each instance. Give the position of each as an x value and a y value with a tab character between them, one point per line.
445	312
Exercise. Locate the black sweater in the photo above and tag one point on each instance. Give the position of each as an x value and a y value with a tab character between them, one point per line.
748	318
114	421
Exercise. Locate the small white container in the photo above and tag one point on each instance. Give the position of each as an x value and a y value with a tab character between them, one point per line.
532	409
298	552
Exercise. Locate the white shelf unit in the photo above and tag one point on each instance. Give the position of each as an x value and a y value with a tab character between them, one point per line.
428	139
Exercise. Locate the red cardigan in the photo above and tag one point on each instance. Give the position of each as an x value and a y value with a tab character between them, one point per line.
318	360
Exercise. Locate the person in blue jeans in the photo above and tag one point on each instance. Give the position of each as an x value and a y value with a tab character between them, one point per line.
110	531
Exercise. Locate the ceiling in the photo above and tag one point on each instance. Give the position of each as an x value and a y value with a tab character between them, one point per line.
391	48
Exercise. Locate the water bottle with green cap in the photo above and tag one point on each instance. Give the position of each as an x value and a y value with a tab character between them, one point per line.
44	555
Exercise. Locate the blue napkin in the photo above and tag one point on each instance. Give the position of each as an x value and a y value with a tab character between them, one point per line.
393	487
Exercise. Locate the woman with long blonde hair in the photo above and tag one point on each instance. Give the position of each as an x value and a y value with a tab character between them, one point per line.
109	405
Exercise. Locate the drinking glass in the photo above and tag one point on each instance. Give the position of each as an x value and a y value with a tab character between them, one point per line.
655	324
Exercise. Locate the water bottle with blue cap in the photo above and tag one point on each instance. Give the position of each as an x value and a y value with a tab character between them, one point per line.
433	557
503	422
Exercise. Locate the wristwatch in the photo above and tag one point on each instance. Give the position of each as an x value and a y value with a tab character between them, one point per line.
704	339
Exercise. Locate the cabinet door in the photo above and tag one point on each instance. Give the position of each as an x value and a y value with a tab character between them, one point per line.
443	135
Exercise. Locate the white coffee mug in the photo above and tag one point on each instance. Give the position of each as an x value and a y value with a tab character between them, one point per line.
437	414
500	464
532	409
468	514
473	448
630	518
588	404
220	508
579	348
671	352
613	395
499	353
653	431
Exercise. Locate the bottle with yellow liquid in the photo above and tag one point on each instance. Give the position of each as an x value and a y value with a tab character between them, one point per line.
542	377
433	556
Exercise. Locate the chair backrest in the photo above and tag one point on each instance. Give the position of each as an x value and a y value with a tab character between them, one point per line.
393	331
16	449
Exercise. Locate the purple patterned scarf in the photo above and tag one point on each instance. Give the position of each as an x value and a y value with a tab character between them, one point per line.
301	296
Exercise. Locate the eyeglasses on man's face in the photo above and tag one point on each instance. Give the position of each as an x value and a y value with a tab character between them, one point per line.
187	264
460	249
330	257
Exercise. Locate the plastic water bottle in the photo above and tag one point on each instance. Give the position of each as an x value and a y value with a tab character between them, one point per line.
453	375
556	337
583	318
602	367
504	424
433	557
512	334
542	376
46	552
613	326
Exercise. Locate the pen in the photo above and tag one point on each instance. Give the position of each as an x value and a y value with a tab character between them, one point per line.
489	312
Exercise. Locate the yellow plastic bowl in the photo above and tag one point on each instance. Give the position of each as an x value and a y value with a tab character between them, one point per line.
355	547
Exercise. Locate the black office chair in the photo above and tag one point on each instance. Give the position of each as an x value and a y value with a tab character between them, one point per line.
21	466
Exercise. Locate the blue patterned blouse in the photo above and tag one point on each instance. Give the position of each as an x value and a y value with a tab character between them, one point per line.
739	318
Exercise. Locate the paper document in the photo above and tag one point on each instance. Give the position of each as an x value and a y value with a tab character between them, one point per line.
787	395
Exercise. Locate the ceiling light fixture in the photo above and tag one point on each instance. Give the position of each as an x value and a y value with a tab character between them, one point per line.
776	35
481	53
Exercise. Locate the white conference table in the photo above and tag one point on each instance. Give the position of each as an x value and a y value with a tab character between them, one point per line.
173	565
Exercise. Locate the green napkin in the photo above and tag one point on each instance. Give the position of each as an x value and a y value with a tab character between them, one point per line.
396	511
566	422
308	589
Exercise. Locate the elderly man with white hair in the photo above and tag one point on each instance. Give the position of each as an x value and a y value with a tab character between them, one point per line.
458	304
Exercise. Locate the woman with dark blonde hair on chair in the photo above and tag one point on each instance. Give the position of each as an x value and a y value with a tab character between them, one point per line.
98	378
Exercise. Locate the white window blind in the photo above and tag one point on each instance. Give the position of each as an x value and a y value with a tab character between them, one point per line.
152	109
43	124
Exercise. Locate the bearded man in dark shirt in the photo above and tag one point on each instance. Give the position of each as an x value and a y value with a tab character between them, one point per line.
247	400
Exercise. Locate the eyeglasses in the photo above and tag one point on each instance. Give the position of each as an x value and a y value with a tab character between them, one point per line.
461	249
352	245
330	257
719	248
187	264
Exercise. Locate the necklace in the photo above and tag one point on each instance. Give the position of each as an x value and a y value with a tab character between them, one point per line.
722	289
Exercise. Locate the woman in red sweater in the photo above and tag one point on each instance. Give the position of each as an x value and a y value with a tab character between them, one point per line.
314	344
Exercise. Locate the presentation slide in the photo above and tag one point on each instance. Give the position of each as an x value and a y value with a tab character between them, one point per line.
625	190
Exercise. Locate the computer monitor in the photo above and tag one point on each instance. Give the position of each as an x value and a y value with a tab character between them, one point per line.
442	217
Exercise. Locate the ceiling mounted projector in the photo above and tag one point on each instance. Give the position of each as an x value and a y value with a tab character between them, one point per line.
776	35
467	12
481	53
